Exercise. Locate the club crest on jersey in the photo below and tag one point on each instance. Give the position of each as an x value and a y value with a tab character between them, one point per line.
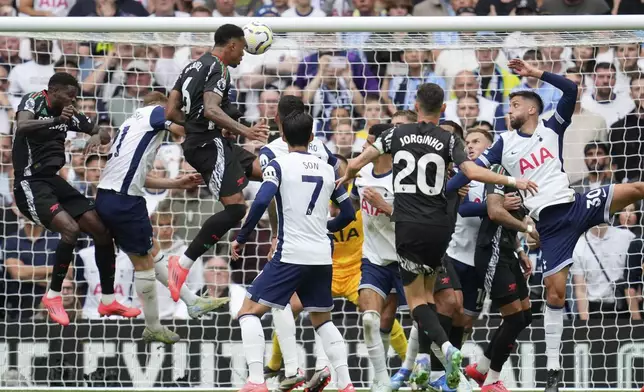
533	160
221	84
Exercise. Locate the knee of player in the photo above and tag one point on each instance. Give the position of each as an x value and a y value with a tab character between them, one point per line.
371	321
70	232
556	296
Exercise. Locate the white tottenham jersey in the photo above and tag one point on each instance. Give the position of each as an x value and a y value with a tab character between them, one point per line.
306	185
133	151
379	231
279	147
123	282
537	157
463	242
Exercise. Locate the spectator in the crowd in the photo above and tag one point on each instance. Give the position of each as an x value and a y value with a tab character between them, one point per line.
199	11
33	75
6	170
554	61
496	82
9	52
94	165
45	7
138	83
599	168
402	79
585	127
466	85
71	302
343	140
626	58
108	8
6	110
575	7
281	5
627	138
628	7
6	9
217	284
166	8
602	99
503	7
440	8
333	86
28	263
399	7
373	114
404	117
449	62
75	171
225	8
549	94
303	9
163	224
517	43
91	107
631	218
467	110
267	107
599	263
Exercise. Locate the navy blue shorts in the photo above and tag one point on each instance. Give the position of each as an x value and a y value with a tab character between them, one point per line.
127	219
473	296
561	225
277	282
384	280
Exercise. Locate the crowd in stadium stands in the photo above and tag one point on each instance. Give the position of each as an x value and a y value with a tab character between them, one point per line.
347	92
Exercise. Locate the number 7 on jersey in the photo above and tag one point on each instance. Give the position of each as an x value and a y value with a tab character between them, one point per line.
317	180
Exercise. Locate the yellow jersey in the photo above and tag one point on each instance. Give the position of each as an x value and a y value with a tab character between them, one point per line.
347	249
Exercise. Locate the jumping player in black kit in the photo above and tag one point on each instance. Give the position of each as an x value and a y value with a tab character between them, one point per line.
421	154
42	121
499	261
201	92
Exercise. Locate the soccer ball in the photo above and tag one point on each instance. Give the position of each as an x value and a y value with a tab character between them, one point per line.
259	37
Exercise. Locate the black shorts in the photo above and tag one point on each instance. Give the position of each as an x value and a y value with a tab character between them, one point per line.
504	279
224	166
447	277
41	199
420	249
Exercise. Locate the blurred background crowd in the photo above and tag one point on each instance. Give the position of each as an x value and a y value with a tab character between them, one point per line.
347	91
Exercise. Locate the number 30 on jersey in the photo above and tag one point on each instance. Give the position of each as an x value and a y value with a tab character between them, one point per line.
420	167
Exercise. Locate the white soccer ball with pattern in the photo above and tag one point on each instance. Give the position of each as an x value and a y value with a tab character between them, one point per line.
259	37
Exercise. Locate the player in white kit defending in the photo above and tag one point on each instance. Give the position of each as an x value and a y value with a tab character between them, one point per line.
532	150
122	207
301	262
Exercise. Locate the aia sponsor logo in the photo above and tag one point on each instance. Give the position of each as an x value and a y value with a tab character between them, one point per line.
534	160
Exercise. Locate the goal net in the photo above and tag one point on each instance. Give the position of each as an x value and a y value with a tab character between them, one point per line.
350	81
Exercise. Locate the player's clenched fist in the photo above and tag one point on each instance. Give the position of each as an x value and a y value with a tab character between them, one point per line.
66	114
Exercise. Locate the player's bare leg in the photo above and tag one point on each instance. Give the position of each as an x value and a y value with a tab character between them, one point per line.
146	288
335	348
105	255
553	325
371	304
626	194
254	345
517	316
210	233
197	306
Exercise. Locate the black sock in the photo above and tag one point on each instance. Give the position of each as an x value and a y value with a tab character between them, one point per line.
446	324
214	228
456	336
429	324
106	263
64	256
507	335
424	343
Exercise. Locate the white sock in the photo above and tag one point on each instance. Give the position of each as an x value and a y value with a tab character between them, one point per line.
253	342
553	325
386	341
336	350
412	348
483	366
146	289
321	360
445	347
375	347
107	299
161	270
52	293
186	262
492	377
285	329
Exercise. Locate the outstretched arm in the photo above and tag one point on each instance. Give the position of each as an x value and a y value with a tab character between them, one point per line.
272	177
347	213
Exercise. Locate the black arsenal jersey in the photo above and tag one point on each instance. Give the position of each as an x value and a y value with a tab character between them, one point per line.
42	152
491	232
208	73
421	153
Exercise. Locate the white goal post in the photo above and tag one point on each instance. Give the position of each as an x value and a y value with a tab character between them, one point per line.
599	354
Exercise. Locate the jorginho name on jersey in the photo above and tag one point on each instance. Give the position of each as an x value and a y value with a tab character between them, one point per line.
279	147
421	154
379	246
133	151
